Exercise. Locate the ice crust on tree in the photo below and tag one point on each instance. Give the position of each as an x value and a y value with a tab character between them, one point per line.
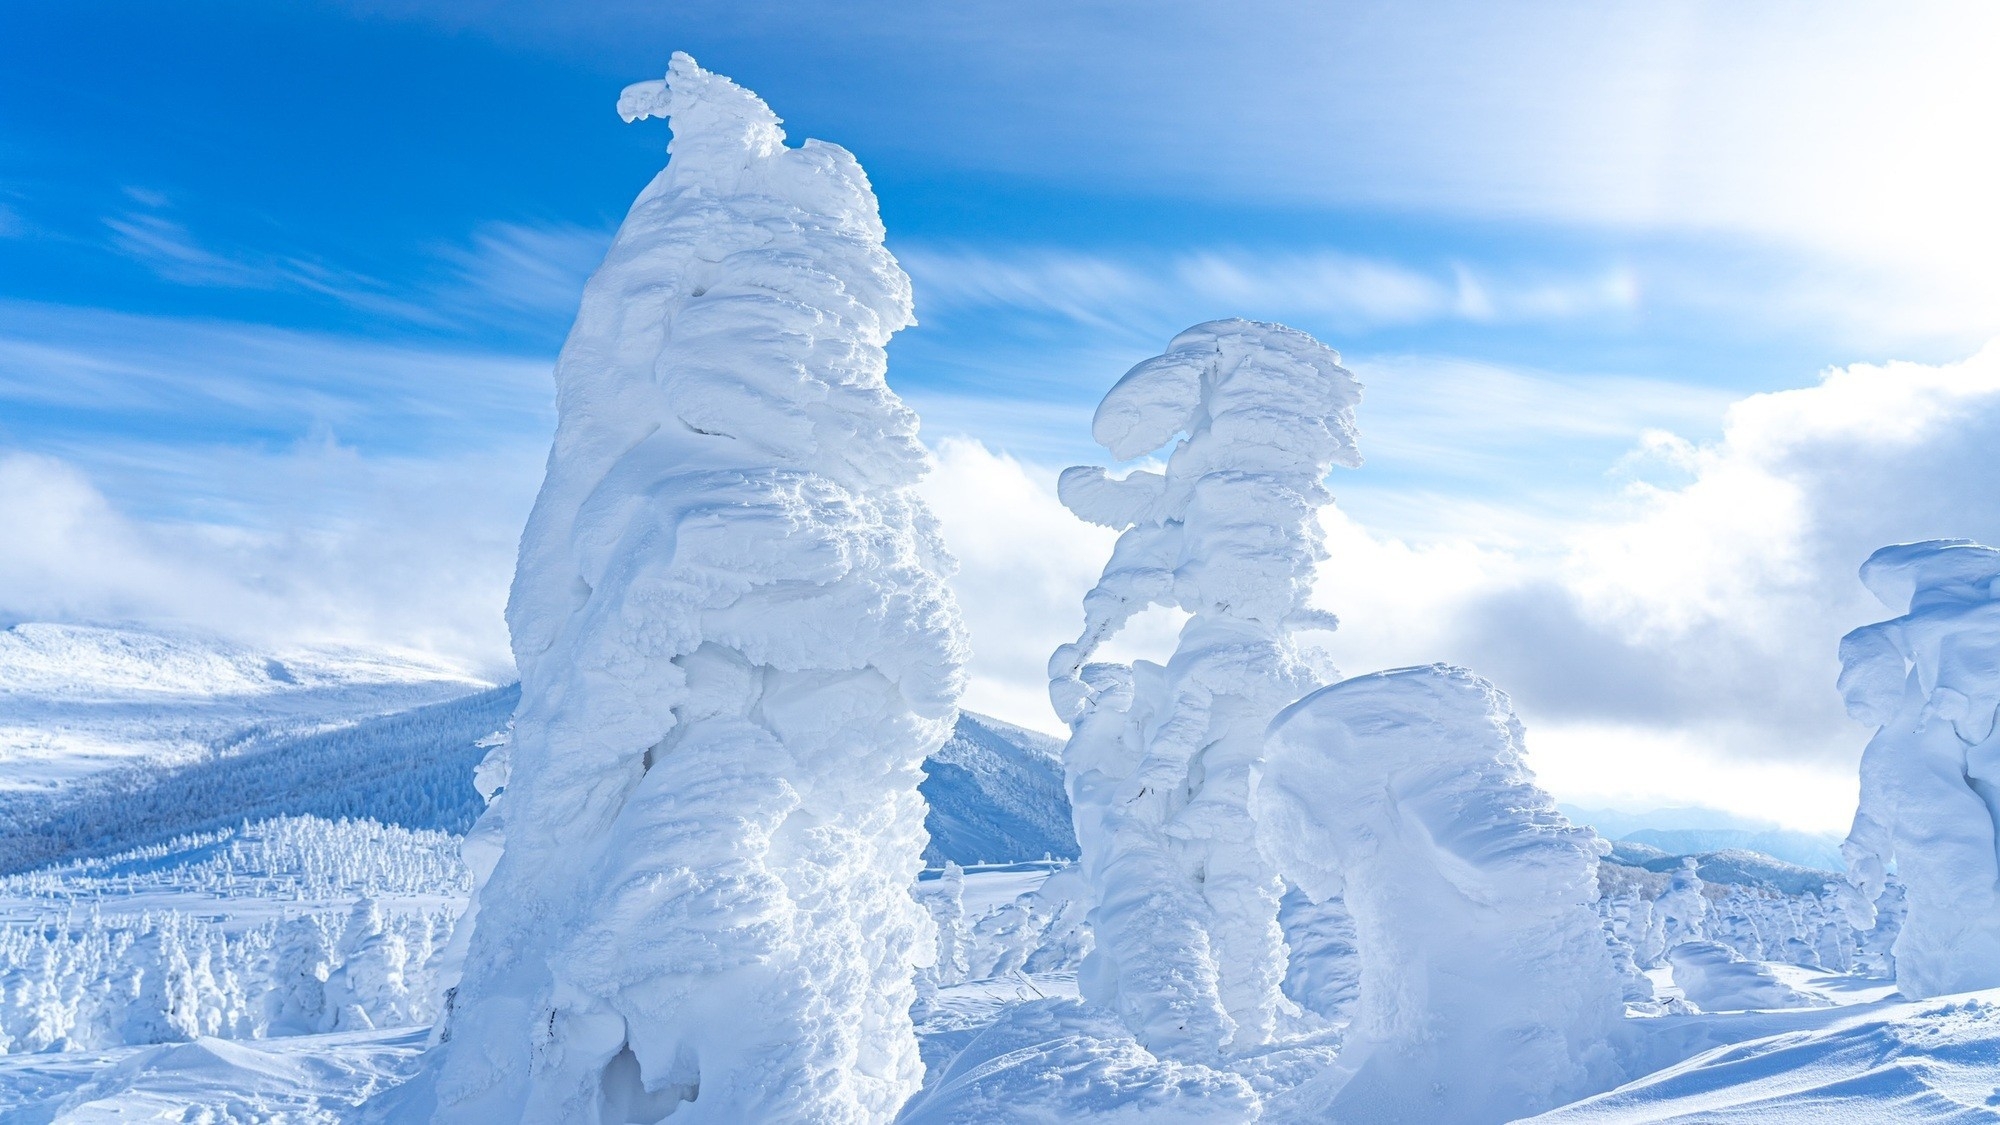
1930	778
1189	953
1486	990
736	649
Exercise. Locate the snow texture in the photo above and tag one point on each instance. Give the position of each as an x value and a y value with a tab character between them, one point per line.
736	650
1085	1067
1161	759
1930	778
1899	1064
1486	988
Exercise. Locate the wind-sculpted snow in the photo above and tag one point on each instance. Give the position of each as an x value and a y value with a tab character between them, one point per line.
1921	1063
1930	778
1719	979
736	651
1486	988
1160	761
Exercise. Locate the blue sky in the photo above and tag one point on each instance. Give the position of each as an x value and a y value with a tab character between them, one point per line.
280	283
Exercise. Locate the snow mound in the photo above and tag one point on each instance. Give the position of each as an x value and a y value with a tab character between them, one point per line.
736	650
1486	987
1928	1062
1046	1062
1719	979
308	1080
1930	778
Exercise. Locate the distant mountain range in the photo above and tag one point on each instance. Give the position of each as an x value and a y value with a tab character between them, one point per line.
1700	831
118	738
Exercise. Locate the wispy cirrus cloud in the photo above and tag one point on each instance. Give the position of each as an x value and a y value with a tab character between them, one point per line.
1338	289
173	253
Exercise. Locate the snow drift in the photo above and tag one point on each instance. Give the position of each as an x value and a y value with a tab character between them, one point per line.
1930	778
1160	762
736	650
1486	988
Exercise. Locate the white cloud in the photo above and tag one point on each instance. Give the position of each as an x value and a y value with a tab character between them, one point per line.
523	267
226	381
416	555
1024	564
174	253
197	473
1680	651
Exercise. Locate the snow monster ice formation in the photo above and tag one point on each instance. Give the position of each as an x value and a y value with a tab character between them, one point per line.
1161	760
1930	778
1487	991
736	649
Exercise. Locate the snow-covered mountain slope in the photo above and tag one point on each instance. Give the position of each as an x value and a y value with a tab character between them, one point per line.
117	738
996	796
79	700
411	768
1800	849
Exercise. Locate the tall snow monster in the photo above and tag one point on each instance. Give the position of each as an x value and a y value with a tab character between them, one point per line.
1930	778
736	649
1161	759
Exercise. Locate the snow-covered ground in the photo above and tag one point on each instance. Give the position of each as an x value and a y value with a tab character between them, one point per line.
1862	1054
229	893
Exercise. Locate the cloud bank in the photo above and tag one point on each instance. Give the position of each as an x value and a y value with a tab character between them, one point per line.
1680	648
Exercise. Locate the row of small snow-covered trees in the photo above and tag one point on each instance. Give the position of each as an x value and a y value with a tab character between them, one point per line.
78	971
1810	929
100	981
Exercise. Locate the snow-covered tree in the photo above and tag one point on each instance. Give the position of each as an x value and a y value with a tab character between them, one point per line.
1682	908
736	649
1160	761
1487	991
1930	778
